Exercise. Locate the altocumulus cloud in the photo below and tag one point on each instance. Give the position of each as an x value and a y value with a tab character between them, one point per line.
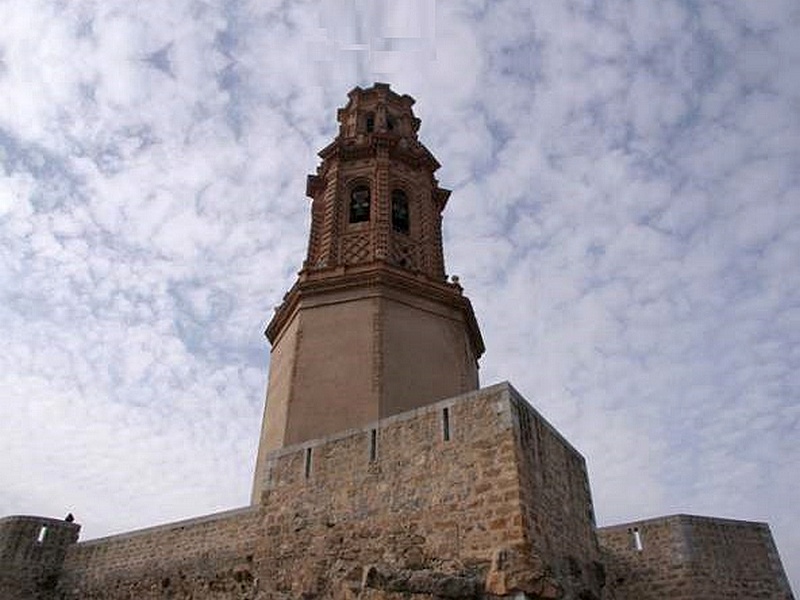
625	218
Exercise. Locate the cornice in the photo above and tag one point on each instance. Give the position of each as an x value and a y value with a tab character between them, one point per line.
412	152
378	275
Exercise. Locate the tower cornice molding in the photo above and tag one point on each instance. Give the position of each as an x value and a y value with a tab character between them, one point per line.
372	279
408	151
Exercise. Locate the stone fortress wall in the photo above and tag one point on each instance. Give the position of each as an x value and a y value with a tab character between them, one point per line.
438	492
209	552
32	551
686	557
474	496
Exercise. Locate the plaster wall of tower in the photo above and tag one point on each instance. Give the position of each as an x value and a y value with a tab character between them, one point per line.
429	342
350	357
333	379
281	368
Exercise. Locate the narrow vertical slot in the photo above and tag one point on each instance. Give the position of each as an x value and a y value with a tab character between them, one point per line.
446	424
373	445
308	463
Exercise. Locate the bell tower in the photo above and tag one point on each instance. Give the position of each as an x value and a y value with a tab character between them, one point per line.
372	327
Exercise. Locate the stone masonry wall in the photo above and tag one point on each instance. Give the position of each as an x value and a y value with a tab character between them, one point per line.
159	562
688	557
557	502
464	490
31	552
429	500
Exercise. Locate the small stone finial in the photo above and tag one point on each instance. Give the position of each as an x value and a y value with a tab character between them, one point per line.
69	518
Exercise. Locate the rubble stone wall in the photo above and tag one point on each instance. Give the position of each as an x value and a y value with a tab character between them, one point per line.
158	562
426	503
31	552
557	502
476	496
689	557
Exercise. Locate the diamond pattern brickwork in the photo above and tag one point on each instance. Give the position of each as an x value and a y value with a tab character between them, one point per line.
356	248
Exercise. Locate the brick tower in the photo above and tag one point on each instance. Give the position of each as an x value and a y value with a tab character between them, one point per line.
372	327
383	472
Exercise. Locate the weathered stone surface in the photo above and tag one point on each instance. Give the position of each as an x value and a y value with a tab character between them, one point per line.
686	557
516	570
32	551
438	518
433	583
421	504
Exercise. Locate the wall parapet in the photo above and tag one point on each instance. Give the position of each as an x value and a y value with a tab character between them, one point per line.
172	526
437	489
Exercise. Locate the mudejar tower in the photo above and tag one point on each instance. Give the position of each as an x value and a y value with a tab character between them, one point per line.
372	327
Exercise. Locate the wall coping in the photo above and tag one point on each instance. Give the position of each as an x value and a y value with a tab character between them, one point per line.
408	415
680	518
503	387
35	519
175	525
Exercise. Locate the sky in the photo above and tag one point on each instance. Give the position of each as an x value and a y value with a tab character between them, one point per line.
625	218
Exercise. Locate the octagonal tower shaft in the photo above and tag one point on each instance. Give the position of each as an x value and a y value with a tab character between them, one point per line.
371	327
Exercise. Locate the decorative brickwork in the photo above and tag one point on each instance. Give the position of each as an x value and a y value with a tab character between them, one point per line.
381	159
356	248
404	253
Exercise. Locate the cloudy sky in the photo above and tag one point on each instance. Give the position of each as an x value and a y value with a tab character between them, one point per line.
625	218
